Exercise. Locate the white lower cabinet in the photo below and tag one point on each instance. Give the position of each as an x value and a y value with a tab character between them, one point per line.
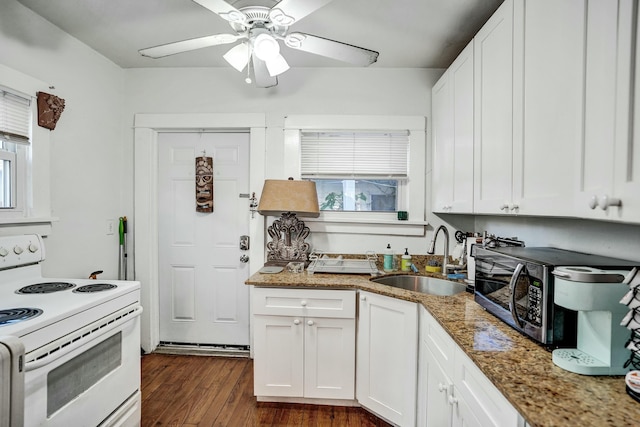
452	391
387	357
304	343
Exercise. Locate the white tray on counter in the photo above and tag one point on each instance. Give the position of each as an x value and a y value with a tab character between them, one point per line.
324	263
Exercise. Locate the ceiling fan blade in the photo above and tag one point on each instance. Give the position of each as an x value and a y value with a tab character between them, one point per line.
261	74
223	9
331	49
187	45
288	12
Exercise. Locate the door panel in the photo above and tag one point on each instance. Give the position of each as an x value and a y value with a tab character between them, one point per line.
203	298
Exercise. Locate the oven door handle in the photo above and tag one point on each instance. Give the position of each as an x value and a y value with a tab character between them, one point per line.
65	345
512	287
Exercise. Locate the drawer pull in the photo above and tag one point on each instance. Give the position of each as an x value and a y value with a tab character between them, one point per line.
296	322
310	322
303	303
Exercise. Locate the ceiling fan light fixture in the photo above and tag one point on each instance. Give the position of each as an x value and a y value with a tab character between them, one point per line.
277	65
238	56
266	47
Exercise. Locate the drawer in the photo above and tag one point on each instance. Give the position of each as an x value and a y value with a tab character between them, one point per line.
305	302
437	340
486	402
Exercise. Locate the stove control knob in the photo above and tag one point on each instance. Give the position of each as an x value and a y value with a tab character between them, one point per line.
4	252
33	248
17	250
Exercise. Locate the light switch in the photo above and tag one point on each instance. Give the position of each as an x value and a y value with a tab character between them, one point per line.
110	227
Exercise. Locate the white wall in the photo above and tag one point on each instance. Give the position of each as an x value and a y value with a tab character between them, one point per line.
348	91
87	163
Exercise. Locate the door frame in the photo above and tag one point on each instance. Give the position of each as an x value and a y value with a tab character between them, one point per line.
145	202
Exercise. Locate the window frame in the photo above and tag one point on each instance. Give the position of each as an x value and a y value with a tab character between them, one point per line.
32	213
411	194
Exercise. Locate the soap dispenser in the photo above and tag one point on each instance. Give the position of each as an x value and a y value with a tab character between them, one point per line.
405	265
388	259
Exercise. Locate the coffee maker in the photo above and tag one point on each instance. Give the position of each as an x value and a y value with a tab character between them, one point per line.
595	294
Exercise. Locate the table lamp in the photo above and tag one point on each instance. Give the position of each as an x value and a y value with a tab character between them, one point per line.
288	199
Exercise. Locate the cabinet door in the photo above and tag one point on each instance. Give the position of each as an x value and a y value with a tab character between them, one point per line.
493	112
442	135
278	356
601	72
462	95
487	405
549	45
452	106
387	357
439	388
330	352
627	159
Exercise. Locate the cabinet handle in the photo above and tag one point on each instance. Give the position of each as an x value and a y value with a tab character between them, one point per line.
593	202
514	207
310	322
606	202
296	322
453	400
504	207
303	303
442	387
363	298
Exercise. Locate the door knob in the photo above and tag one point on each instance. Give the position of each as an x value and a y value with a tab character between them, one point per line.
244	258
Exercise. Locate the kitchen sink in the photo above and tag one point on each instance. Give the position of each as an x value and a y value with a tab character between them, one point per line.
423	284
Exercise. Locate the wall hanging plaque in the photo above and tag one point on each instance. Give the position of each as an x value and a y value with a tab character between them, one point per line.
204	184
50	108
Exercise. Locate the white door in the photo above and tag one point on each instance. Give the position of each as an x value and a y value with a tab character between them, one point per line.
203	298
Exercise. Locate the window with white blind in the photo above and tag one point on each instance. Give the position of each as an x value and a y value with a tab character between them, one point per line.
356	170
366	168
15	126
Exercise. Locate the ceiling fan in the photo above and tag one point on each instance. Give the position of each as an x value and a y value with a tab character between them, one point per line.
261	29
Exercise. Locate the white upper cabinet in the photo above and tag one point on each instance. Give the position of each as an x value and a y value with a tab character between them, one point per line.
608	181
493	113
452	108
549	46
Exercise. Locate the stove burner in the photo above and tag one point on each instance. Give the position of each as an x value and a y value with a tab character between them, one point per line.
13	315
45	288
96	287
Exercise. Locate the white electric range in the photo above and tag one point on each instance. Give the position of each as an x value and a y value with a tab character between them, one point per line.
81	339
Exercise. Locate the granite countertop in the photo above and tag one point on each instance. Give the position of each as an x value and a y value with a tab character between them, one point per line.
543	393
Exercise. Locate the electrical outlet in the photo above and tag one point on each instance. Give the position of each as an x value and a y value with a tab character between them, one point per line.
111	227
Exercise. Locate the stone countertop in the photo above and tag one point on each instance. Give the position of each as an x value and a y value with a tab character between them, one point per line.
543	393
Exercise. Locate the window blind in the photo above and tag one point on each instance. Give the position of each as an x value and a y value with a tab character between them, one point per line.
354	154
15	117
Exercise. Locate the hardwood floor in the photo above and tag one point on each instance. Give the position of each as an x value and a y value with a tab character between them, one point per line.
208	391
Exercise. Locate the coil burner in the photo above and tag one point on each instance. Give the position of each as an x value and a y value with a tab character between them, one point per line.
97	287
45	288
14	315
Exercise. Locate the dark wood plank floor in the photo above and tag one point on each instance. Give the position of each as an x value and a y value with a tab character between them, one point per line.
208	391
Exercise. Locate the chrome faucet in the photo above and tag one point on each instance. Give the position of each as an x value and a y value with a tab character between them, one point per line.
432	247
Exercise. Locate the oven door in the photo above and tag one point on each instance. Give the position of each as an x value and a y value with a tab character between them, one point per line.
87	377
514	291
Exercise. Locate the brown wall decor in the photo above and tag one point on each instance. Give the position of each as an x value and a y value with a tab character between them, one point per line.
50	108
204	184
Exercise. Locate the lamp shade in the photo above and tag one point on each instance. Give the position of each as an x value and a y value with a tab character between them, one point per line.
288	195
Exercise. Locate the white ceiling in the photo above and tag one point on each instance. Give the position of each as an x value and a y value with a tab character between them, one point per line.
406	33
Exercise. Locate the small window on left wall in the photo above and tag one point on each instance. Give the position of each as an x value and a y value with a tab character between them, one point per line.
15	133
